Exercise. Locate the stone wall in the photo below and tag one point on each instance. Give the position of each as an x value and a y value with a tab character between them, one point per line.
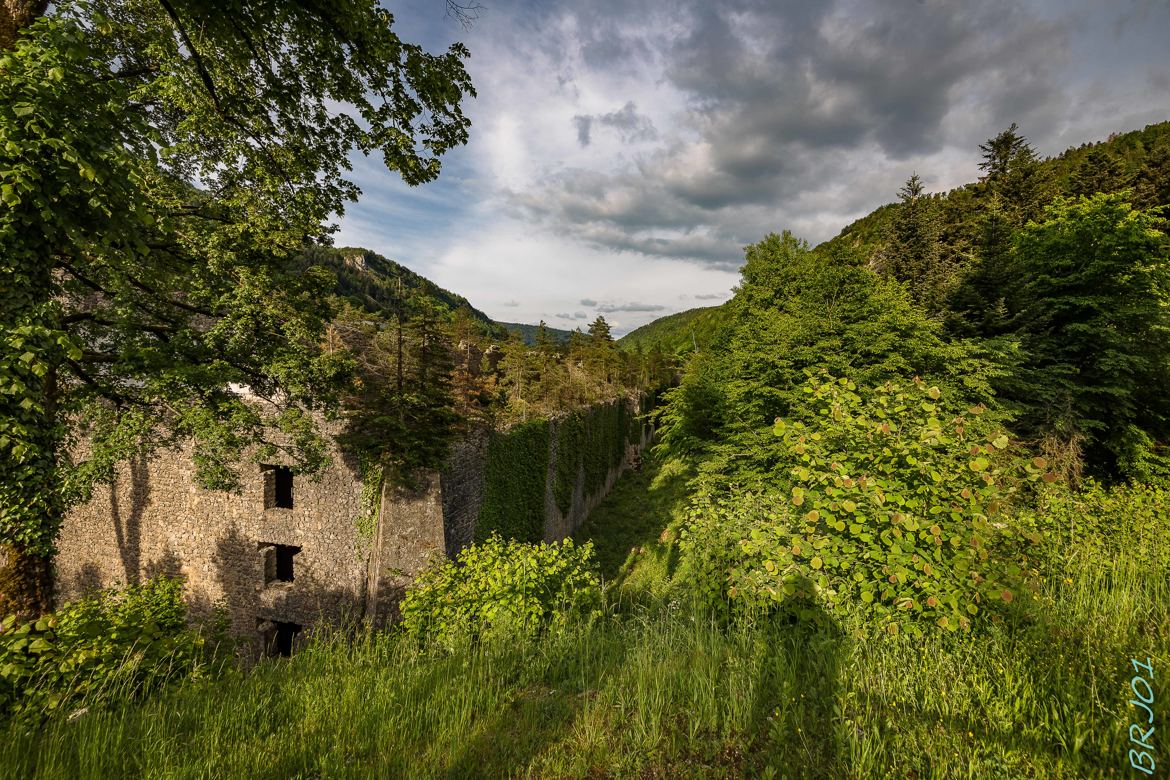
154	520
229	548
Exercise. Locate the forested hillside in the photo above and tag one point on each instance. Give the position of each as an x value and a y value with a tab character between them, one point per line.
372	282
1135	159
678	333
529	333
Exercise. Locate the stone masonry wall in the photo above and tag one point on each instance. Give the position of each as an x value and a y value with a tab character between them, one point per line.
155	520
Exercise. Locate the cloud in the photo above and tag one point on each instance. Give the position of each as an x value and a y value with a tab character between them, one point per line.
580	315
711	296
609	308
788	114
584	125
633	148
629	124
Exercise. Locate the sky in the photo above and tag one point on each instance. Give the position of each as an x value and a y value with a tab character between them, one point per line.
624	152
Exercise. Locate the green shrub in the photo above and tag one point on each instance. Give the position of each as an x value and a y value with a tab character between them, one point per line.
1099	525
114	646
885	506
499	588
515	474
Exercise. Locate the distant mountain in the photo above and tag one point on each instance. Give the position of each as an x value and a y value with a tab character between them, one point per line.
678	333
528	332
374	283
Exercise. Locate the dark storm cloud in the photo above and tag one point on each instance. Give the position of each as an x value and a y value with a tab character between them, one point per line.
584	125
785	98
629	124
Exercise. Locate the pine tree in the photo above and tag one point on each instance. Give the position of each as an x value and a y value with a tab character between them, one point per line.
913	249
1001	153
1013	190
1100	171
603	356
1013	174
1152	183
400	410
599	329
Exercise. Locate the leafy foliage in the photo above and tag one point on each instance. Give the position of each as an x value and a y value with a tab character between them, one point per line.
502	589
161	167
1095	326
886	505
1098	524
111	648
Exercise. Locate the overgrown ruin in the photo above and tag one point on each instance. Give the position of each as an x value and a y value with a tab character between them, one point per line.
290	551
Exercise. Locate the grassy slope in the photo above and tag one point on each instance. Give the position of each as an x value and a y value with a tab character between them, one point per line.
657	692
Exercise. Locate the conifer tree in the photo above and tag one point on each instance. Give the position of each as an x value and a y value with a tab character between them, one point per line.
1013	189
1152	183
1100	171
599	329
913	250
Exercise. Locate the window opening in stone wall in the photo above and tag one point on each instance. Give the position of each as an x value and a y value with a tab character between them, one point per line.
277	637
278	487
278	562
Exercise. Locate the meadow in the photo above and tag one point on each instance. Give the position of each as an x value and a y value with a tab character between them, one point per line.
656	688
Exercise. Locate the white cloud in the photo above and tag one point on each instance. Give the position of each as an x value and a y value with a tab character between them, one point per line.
712	122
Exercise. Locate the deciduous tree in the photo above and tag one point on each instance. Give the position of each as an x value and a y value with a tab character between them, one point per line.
162	162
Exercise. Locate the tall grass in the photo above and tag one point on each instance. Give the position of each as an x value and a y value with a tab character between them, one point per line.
659	691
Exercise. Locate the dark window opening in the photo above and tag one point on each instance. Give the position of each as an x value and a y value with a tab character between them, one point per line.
278	562
277	636
278	487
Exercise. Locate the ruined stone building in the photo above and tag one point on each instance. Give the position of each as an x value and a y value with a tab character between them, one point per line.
290	551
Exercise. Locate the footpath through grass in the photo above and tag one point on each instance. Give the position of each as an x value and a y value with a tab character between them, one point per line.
655	691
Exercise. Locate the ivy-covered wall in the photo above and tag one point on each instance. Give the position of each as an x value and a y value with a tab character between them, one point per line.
515	473
568	463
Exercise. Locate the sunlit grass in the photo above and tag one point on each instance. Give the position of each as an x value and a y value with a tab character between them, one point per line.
654	690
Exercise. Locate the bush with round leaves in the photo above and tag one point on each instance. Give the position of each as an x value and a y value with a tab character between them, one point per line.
498	588
885	504
112	647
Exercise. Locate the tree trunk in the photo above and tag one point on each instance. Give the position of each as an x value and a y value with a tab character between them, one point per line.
15	15
26	583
